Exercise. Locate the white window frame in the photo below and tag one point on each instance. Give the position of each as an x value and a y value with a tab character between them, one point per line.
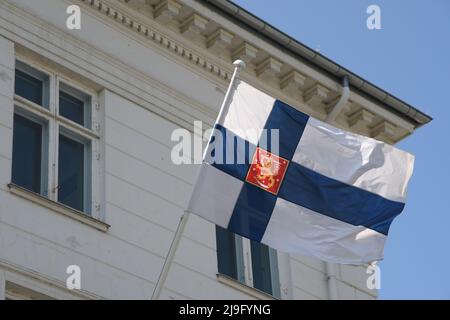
89	134
38	74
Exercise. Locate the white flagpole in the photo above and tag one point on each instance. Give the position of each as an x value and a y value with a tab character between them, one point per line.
238	65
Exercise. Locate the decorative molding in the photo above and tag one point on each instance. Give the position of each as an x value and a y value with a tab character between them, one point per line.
316	96
227	47
345	111
158	38
166	11
245	52
383	131
219	40
194	26
269	68
14	273
360	119
293	82
137	4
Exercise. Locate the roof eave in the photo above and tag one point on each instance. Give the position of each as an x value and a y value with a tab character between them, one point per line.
318	60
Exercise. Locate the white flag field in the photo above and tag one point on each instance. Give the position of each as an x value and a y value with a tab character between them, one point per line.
280	177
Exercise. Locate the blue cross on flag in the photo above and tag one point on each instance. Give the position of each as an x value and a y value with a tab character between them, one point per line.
275	175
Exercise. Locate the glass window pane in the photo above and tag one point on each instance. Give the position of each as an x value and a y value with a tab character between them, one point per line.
27	154
262	279
226	252
71	108
71	173
29	87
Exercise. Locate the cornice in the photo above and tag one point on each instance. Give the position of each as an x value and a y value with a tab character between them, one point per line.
124	18
204	44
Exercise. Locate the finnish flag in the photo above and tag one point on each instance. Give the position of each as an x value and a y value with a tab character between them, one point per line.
277	176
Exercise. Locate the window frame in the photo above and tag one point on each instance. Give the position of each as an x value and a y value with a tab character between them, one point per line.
248	267
244	268
88	135
80	94
41	75
87	166
44	123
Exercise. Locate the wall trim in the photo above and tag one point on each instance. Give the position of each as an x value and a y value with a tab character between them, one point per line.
58	207
13	271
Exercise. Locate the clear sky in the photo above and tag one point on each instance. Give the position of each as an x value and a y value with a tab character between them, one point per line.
410	58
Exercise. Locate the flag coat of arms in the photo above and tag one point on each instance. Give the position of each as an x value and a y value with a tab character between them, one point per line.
278	176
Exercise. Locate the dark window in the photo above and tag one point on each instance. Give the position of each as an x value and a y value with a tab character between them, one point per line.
71	173
262	278
29	87
27	154
226	252
229	258
71	108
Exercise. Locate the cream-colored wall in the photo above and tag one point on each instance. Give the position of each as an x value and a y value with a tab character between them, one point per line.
145	94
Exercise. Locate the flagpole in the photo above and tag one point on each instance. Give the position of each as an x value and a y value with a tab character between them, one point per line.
238	65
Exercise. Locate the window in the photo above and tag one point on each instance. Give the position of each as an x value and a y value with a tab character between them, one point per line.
229	254
74	105
55	150
28	151
32	84
72	172
247	261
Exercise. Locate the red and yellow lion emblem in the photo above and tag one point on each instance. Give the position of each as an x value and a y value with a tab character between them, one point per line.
267	171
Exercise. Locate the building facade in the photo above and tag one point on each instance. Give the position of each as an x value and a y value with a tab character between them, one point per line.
87	185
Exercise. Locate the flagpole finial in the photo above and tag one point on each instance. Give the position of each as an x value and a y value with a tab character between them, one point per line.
239	64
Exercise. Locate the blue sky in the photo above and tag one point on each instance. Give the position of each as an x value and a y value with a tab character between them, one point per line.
410	58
